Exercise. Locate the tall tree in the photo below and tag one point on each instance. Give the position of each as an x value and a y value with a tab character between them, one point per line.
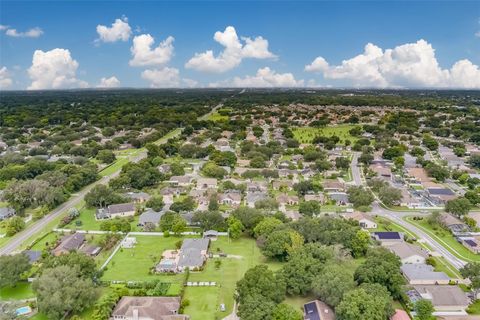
62	291
332	283
11	269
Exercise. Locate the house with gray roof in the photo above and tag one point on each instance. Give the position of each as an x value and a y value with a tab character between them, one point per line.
193	253
150	216
69	243
253	197
445	299
138	197
423	274
6	213
33	255
115	210
409	253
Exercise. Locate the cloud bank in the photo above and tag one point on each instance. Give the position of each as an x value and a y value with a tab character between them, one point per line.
264	78
408	65
111	82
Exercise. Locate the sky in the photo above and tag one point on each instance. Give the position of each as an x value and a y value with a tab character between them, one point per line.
161	44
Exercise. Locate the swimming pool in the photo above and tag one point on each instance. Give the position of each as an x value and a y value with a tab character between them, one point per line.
23	311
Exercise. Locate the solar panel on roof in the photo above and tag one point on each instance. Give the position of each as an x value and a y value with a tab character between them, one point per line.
388	235
471	243
440	191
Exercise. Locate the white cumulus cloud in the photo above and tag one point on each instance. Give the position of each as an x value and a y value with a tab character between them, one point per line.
167	78
54	69
264	78
144	55
31	33
162	78
119	31
5	80
407	65
111	82
233	53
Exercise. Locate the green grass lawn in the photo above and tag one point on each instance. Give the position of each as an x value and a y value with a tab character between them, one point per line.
87	217
114	167
307	134
474	308
446	239
217	117
23	290
135	264
205	301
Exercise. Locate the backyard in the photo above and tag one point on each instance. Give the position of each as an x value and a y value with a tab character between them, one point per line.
205	301
136	263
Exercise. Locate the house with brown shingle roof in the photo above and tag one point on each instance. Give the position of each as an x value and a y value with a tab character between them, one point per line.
148	308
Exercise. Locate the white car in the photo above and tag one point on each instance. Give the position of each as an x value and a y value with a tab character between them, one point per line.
222	307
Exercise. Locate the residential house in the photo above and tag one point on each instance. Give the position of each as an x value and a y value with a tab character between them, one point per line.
164	168
206	183
286	173
409	253
193	254
340	198
282	184
151	217
383	172
243	163
138	197
6	213
285	199
315	197
471	243
452	223
387	238
440	195
148	308
363	220
211	234
256	187
444	298
183	181
231	198
69	243
333	186
400	315
423	274
317	310
116	210
33	255
253	197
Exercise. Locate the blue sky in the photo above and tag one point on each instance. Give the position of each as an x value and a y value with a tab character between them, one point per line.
297	34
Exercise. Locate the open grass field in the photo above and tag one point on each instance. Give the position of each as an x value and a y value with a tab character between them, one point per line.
135	264
307	134
23	290
217	117
447	240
